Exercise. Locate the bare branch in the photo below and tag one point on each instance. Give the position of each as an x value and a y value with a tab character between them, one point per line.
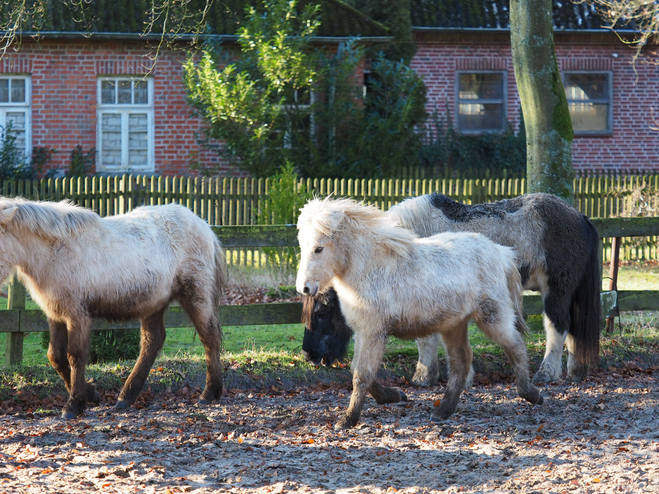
642	16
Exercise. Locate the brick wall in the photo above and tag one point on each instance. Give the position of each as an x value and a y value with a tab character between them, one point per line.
64	78
632	146
64	104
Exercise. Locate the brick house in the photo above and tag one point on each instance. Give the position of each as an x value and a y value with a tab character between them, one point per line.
96	86
465	59
101	90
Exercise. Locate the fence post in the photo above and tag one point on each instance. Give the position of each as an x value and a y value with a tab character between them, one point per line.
15	300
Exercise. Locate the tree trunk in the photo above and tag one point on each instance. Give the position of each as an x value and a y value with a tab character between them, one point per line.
544	105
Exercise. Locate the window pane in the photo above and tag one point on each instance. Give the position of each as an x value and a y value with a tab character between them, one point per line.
481	117
584	87
141	92
18	121
111	139
18	90
588	117
124	92
138	140
107	93
480	86
4	90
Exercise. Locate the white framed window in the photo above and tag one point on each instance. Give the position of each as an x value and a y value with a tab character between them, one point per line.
125	125
15	109
481	101
589	96
299	118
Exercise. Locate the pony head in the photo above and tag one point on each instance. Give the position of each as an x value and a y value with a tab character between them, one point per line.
317	225
333	233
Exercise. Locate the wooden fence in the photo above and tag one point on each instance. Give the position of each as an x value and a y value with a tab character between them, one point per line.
236	201
16	320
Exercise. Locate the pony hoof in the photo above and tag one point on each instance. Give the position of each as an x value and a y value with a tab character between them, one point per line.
205	402
535	398
69	415
122	405
543	377
436	419
403	396
440	415
344	424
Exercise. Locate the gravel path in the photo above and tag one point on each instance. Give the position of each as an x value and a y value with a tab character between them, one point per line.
598	436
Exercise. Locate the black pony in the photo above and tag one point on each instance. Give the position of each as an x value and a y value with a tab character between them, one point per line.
557	255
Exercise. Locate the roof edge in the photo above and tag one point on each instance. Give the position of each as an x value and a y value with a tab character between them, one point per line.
184	37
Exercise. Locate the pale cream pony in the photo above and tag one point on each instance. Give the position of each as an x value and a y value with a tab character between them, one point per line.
78	266
391	282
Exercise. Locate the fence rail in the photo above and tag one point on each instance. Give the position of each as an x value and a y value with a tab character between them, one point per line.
16	320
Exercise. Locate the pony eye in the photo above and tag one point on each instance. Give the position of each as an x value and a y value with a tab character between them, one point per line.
318	250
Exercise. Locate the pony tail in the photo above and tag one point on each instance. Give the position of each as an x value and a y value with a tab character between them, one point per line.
515	288
586	305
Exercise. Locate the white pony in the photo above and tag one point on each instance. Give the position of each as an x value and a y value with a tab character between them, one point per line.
78	266
391	282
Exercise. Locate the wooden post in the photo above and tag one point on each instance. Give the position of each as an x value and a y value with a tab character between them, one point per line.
613	282
15	300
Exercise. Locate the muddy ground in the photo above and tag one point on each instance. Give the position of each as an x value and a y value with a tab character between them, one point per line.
601	435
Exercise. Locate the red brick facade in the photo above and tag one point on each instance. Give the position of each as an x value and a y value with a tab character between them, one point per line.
64	98
64	105
632	145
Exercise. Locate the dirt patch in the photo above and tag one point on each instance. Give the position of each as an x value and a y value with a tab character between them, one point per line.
597	436
241	295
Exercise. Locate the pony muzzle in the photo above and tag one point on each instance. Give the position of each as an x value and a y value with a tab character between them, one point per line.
309	288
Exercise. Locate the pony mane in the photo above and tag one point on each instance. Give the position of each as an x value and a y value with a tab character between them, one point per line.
58	220
328	216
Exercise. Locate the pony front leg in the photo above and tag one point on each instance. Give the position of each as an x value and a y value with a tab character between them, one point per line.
364	369
152	339
58	359
77	354
459	356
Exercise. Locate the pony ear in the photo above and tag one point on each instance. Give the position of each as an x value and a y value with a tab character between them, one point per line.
336	218
6	215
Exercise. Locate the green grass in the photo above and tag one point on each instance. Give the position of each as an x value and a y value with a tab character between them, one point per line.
635	275
258	356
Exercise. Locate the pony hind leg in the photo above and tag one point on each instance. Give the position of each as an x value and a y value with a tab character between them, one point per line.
556	321
207	323
498	323
459	356
152	338
577	370
427	367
